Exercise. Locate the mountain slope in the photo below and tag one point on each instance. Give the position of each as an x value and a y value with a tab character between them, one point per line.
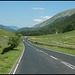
63	26
14	27
64	14
4	35
6	28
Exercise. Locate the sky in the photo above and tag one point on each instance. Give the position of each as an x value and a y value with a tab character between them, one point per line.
30	13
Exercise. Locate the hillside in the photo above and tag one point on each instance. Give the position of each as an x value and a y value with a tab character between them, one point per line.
3	36
14	27
60	16
29	29
46	24
64	39
65	25
7	28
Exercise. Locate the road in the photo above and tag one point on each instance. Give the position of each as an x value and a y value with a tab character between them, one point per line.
37	60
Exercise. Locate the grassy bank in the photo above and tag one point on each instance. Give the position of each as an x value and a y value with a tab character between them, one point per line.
67	51
65	39
4	35
8	59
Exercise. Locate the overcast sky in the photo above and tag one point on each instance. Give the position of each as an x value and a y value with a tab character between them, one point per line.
30	13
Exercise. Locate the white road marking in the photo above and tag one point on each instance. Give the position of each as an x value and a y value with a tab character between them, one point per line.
67	64
15	69
55	51
19	60
54	57
45	53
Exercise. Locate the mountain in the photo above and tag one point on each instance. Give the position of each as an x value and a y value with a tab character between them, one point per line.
7	28
28	29
46	24
14	27
58	17
63	26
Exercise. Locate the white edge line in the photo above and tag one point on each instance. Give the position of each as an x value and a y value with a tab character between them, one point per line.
54	51
18	60
65	63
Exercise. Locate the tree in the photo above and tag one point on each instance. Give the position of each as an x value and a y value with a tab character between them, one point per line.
13	41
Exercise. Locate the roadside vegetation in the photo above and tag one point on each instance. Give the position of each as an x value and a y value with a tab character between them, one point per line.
63	39
11	47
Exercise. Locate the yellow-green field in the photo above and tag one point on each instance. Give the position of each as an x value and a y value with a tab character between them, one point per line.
3	38
8	59
64	39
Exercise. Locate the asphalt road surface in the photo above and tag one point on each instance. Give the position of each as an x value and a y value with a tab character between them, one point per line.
37	60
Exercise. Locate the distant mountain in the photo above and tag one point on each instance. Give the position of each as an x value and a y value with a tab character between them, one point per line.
7	28
28	29
66	25
58	17
46	24
14	27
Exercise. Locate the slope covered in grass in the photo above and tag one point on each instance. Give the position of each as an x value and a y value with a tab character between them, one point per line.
3	38
8	59
64	39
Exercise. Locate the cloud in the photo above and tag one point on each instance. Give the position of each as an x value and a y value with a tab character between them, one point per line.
45	17
42	18
38	20
38	8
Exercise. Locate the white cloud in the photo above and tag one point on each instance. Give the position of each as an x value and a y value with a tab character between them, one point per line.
38	20
45	17
38	8
41	19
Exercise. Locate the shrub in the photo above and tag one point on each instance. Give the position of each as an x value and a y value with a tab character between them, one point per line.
13	41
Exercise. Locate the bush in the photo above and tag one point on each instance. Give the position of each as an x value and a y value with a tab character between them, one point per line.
14	41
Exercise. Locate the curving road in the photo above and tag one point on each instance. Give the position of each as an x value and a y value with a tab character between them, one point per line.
37	60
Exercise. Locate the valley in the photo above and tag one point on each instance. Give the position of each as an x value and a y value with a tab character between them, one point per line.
63	39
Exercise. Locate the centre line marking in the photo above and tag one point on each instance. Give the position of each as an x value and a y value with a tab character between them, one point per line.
67	64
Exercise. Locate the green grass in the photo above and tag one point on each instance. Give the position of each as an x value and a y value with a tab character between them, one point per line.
8	59
3	38
65	39
67	51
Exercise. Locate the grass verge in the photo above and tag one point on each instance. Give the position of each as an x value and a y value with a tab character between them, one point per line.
8	59
67	51
63	39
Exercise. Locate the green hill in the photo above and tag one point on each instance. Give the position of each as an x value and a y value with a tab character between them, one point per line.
60	16
66	39
46	24
63	26
7	28
3	37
